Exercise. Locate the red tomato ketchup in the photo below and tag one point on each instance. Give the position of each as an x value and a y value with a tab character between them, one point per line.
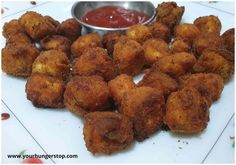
114	17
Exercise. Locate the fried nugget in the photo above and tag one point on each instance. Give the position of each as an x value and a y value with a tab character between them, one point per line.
56	42
17	59
160	30
128	56
109	40
212	62
12	27
180	45
170	14
175	65
187	112
186	31
209	85
84	42
107	132
36	26
45	91
54	22
208	24
119	86
52	62
160	81
145	106
207	41
139	33
19	38
86	94
69	28
94	61
154	49
228	37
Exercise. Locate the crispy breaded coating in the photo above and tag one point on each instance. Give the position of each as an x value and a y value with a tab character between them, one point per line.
85	42
19	38
107	132
209	85
160	81
145	106
69	28
187	112
17	59
53	63
45	91
228	37
180	45
175	65
170	14
36	26
186	31
119	86
94	61
154	49
139	33
12	27
128	56
160	30
56	42
213	62
86	94
54	22
207	41
109	40
208	24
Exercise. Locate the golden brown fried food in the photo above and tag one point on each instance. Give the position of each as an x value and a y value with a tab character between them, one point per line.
84	42
53	63
56	42
213	62
86	94
170	14
69	28
119	86
45	91
36	26
107	132
187	112
139	33
160	30
160	81
186	31
206	41
228	37
12	27
180	45
154	49
109	40
145	106
94	61
175	65
209	85
19	38
17	59
54	22
208	24
128	56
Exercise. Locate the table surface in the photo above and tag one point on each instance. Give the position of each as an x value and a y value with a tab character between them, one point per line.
18	132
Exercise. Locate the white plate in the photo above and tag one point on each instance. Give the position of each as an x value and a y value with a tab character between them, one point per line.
60	132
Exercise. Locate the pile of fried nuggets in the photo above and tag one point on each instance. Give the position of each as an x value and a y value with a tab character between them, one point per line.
186	68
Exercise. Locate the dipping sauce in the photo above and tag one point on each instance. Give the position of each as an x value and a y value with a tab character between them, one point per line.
114	17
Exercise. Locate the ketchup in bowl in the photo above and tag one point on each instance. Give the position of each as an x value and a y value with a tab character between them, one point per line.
114	17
